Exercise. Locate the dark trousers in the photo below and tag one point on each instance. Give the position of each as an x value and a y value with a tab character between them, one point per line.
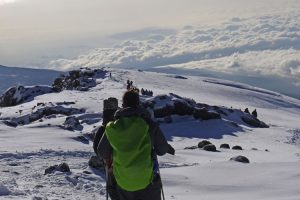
151	192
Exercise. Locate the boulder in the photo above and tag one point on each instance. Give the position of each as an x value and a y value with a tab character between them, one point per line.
237	147
241	159
224	146
63	167
210	147
72	123
96	162
203	143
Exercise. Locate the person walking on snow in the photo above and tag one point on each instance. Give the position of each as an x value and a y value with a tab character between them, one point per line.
130	146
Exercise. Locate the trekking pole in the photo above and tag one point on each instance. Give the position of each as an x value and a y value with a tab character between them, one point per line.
162	189
106	174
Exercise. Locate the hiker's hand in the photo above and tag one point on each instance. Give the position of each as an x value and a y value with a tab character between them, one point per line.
171	150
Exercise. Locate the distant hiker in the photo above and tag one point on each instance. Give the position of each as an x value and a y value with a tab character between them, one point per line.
130	145
110	107
247	111
254	113
109	74
129	84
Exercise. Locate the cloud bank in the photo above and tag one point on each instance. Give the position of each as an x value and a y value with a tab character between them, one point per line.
265	45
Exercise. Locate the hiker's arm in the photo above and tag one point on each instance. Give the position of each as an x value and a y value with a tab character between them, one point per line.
98	136
104	148
160	143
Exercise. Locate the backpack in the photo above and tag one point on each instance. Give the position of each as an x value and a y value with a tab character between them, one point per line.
132	160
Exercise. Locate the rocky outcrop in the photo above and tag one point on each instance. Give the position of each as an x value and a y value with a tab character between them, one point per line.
253	121
20	94
182	108
165	106
204	114
163	112
44	110
82	79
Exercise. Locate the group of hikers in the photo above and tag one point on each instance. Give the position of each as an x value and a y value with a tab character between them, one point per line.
146	92
254	112
129	142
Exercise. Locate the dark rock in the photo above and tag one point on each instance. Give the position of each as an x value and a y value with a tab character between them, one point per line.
81	80
72	123
87	172
96	162
204	114
224	146
267	150
11	123
162	97
82	139
182	108
51	169
254	149
168	119
210	147
203	143
163	112
241	159
237	147
252	121
20	94
63	167
192	147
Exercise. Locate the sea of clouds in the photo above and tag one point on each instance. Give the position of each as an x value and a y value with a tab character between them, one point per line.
264	45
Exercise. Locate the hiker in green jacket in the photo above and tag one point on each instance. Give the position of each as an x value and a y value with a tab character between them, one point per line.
130	146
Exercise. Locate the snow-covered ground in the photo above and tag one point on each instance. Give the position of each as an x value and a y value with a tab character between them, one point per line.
274	153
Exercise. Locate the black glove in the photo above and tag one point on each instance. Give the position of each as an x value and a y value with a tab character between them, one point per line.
171	150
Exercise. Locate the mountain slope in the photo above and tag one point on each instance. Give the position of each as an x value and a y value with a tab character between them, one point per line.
273	173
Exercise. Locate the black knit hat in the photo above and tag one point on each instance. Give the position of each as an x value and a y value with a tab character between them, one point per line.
131	99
